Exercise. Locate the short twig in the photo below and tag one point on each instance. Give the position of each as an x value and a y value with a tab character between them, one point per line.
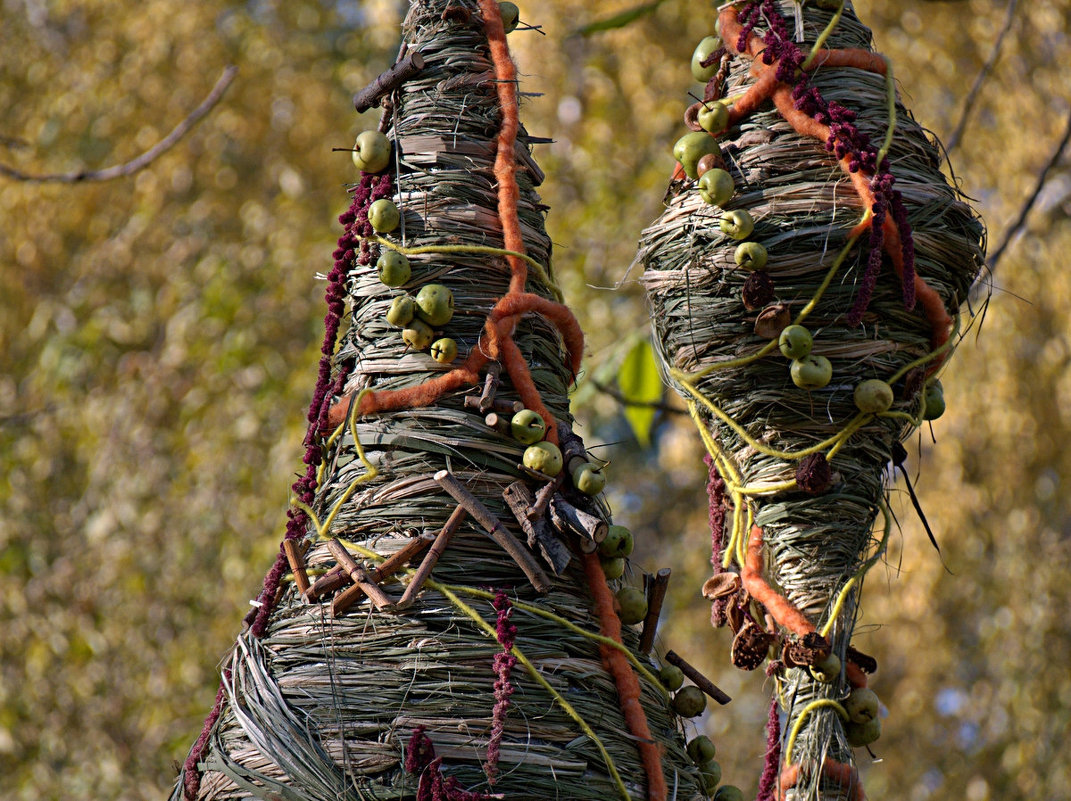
495	530
438	547
387	568
656	596
388	81
142	161
700	681
297	564
359	575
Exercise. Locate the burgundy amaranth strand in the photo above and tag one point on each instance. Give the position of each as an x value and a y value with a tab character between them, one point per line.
771	765
716	509
420	760
506	632
845	141
351	249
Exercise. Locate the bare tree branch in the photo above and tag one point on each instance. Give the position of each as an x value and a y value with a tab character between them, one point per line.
139	162
972	95
1057	154
620	398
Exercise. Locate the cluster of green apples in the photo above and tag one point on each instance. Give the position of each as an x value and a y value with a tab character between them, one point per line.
863	725
419	316
529	428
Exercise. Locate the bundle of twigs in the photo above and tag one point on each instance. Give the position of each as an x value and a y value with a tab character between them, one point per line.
860	255
442	626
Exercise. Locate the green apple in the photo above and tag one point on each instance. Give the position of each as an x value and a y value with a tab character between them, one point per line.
737	223
613	568
690	148
861	705
618	542
435	304
710	775
417	335
511	15
371	151
795	342
384	216
527	427
860	734
827	670
811	372
632	605
716	187
701	749
393	268
544	457
873	396
589	479
713	117
444	350
933	401
689	702
671	676
401	310
702	52
729	792
750	256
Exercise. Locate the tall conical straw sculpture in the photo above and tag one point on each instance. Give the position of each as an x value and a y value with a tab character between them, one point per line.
805	282
439	624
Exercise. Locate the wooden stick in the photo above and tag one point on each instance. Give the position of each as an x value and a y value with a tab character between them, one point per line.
442	539
700	681
297	564
495	530
490	386
385	570
330	581
500	406
519	499
538	509
567	517
498	422
359	576
388	81
656	596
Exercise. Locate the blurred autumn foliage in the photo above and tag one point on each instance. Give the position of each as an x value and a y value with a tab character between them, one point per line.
159	335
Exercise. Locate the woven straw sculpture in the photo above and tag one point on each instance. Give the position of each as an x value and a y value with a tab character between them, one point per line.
805	280
505	672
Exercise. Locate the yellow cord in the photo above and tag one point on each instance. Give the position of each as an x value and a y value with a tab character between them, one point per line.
804	713
822	37
537	268
535	674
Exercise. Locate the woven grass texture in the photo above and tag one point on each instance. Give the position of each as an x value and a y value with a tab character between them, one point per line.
505	673
805	282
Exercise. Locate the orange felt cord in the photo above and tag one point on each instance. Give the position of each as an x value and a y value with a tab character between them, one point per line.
845	775
854	674
779	607
628	686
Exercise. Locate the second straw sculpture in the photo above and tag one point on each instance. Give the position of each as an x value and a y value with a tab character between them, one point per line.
805	282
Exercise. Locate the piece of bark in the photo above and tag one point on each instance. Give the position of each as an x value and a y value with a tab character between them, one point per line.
297	564
359	575
519	499
700	681
566	517
656	596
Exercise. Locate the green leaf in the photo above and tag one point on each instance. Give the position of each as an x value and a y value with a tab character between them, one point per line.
640	385
619	20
